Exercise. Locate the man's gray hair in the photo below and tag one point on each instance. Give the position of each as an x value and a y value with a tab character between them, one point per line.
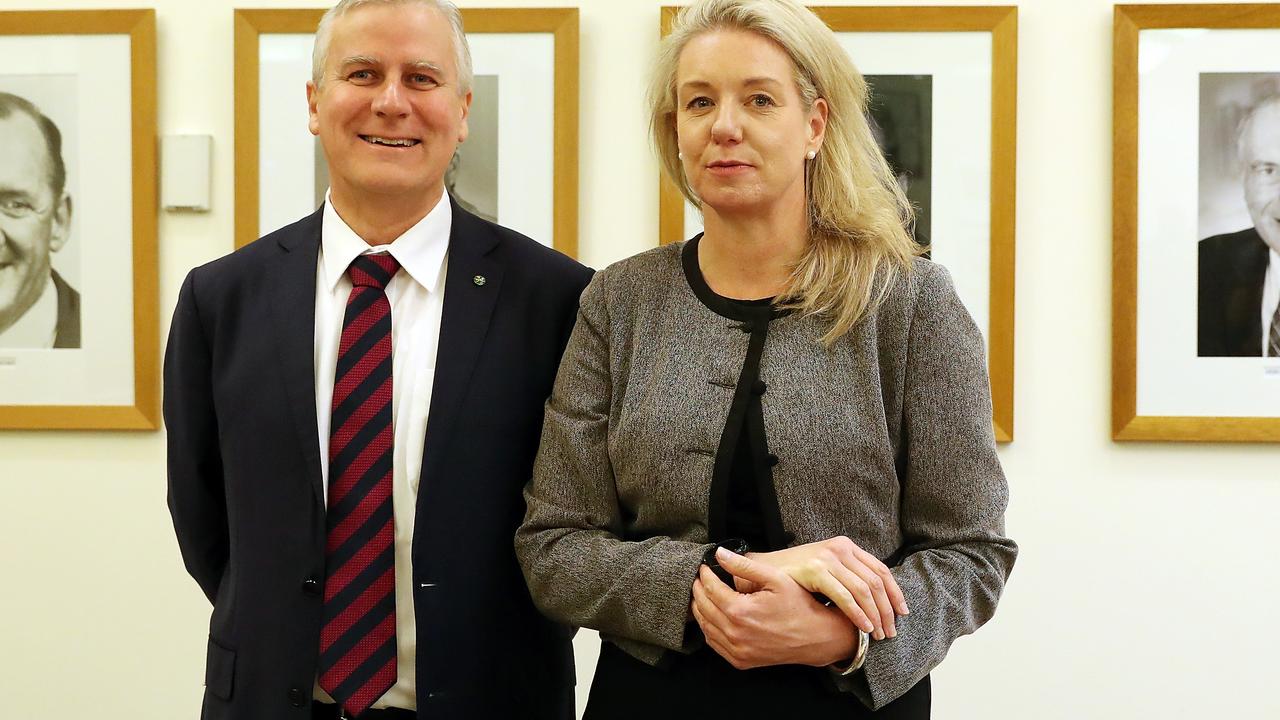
461	50
9	104
1268	102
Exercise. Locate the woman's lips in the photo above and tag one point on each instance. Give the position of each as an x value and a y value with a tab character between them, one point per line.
729	169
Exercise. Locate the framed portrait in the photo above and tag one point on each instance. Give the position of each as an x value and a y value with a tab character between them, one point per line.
1196	246
79	334
518	167
944	108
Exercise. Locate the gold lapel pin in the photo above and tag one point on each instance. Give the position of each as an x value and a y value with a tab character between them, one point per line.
479	280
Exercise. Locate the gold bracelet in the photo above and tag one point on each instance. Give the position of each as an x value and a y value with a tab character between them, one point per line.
859	657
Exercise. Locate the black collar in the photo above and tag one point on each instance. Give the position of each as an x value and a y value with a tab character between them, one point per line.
741	310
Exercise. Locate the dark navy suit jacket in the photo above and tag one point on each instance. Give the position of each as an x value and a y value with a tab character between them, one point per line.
245	486
67	331
1232	270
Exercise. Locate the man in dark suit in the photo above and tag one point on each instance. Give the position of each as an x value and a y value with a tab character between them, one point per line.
353	405
1239	273
38	309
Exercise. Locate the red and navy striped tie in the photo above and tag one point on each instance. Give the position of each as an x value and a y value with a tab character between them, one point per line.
358	638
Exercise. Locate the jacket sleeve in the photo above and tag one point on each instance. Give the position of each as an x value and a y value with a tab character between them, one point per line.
579	568
197	500
955	558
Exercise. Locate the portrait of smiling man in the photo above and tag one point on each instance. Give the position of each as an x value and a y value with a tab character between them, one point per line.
38	308
353	405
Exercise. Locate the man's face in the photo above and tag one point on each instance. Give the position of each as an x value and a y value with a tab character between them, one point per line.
33	221
387	110
1260	151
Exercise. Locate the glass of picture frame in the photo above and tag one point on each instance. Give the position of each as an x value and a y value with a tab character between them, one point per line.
1196	223
79	337
944	99
519	166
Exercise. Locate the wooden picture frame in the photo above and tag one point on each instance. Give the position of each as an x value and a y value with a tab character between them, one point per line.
560	227
1001	23
92	75
1170	380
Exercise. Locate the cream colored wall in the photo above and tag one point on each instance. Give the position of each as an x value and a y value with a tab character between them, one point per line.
1148	574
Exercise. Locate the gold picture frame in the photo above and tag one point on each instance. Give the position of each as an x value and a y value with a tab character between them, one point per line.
560	23
1128	421
1002	23
142	411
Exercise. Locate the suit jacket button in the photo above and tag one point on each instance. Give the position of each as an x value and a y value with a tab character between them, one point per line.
311	586
296	698
759	387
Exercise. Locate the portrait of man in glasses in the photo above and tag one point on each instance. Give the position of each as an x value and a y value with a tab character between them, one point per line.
38	308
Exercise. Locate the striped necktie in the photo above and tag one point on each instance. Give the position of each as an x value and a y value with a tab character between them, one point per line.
1273	344
358	638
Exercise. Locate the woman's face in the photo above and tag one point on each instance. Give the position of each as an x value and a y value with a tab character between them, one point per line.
742	128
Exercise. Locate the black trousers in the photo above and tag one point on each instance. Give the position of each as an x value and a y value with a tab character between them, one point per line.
705	686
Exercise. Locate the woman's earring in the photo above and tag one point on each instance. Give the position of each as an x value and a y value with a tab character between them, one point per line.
812	154
679	156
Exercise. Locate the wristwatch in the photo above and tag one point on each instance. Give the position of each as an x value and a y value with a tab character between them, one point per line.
734	545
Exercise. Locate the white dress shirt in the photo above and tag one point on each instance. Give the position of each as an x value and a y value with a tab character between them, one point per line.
1270	297
416	295
38	327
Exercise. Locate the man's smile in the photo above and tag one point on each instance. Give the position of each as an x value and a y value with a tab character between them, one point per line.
390	142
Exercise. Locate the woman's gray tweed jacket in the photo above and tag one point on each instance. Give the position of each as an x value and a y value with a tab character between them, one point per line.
885	438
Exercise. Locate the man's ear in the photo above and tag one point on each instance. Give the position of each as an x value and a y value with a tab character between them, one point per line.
61	229
313	96
463	129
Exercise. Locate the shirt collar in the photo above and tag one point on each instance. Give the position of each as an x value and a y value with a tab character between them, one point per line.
38	326
420	250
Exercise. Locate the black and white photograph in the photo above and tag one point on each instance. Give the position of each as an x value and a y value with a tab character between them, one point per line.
517	166
79	332
901	111
1196	213
1238	273
942	89
39	255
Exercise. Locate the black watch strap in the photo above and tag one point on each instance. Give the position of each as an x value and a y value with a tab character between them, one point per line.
735	545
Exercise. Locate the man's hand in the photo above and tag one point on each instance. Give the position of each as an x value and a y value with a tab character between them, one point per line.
855	580
780	623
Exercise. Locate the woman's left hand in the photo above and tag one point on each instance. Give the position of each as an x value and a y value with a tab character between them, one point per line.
779	623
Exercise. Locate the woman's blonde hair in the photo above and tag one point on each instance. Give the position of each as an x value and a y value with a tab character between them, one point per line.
859	218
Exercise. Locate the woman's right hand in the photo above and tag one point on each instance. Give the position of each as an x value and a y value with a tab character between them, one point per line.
856	581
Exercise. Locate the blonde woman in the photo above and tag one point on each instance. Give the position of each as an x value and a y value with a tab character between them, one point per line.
794	384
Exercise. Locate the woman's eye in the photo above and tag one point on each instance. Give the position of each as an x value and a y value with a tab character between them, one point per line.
699	103
761	101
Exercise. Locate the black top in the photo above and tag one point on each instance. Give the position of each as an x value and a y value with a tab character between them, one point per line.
743	502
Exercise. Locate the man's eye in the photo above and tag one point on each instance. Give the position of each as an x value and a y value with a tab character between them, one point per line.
13	206
422	79
360	75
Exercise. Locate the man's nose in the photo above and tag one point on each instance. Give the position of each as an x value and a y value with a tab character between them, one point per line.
391	101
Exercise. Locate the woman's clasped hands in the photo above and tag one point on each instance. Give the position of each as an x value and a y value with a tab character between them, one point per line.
772	616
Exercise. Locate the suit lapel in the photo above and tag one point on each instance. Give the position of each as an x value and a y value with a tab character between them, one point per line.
1252	266
293	314
472	284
